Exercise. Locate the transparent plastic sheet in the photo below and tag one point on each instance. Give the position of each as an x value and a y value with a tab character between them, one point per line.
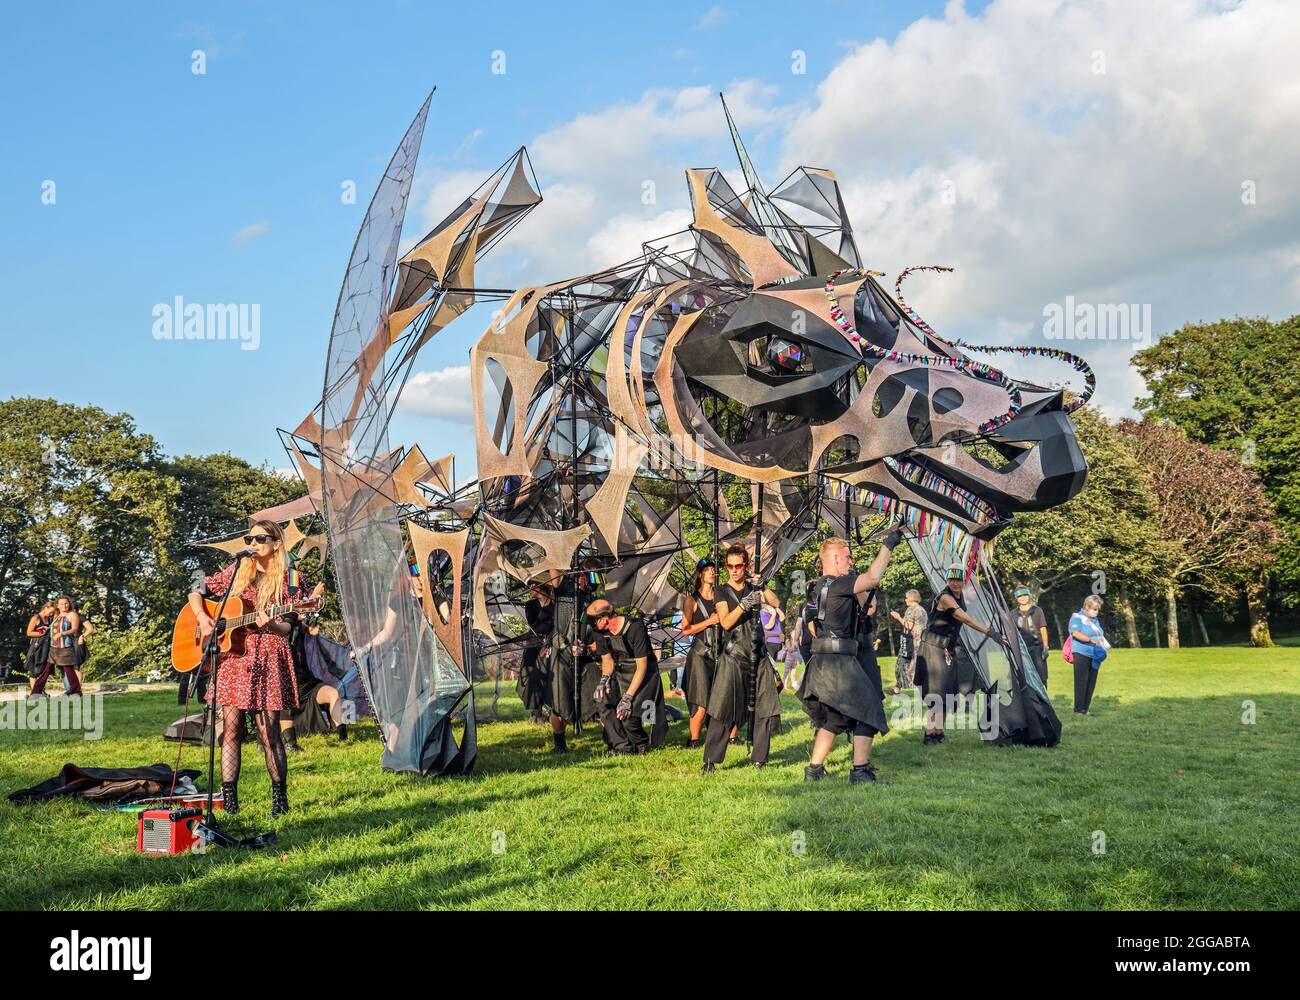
411	681
1023	712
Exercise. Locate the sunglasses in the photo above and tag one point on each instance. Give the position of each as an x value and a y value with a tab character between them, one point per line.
735	565
259	539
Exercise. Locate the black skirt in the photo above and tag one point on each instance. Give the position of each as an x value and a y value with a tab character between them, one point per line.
940	674
847	685
698	679
728	698
533	683
647	703
562	678
38	654
310	717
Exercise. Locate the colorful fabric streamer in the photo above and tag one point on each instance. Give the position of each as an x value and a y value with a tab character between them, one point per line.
1078	363
975	369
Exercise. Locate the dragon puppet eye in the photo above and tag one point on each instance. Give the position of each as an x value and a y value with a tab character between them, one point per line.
783	356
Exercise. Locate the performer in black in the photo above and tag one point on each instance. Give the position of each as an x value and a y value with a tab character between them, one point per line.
533	683
809	615
699	623
943	667
38	648
866	636
1032	624
742	656
570	661
311	691
630	693
840	693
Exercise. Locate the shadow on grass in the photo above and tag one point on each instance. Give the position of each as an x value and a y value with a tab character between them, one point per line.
1161	803
239	879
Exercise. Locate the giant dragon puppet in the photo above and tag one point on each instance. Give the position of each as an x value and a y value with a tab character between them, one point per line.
746	379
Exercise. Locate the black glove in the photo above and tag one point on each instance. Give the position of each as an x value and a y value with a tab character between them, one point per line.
892	539
751	600
602	687
624	708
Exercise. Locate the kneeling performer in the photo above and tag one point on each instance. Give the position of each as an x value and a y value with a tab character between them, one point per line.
630	693
838	694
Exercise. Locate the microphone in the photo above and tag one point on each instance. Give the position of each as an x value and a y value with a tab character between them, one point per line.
243	554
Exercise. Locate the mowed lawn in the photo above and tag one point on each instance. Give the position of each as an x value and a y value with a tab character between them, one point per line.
1197	807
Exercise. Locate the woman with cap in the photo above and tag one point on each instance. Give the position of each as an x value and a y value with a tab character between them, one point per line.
1089	647
1032	624
943	667
700	619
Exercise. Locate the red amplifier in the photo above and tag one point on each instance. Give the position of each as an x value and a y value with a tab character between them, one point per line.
167	831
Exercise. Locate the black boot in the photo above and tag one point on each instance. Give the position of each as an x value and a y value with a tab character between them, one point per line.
279	798
289	737
557	743
343	732
814	772
230	797
693	744
862	774
708	767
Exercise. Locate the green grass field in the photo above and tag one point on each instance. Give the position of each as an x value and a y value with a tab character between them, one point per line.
1197	807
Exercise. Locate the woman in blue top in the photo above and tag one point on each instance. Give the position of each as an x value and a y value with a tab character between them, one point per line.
1089	645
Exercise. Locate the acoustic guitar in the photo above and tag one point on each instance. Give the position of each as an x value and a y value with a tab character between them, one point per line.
231	621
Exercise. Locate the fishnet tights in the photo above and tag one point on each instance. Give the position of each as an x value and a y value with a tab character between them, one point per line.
232	738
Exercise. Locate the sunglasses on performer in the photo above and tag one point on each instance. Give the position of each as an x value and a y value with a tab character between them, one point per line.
735	565
259	539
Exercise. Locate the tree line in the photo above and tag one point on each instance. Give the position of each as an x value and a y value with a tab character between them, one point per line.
92	508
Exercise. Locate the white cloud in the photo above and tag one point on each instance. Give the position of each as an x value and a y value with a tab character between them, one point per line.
250	233
990	143
621	237
610	177
1123	185
715	15
444	393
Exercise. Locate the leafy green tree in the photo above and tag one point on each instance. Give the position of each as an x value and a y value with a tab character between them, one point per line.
1214	517
86	512
90	507
1104	539
1235	385
217	494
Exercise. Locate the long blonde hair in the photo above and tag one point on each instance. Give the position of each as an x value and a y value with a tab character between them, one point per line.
269	586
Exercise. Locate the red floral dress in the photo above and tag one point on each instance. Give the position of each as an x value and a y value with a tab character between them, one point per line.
262	679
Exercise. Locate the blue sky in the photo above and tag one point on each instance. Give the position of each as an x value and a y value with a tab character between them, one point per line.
1123	185
158	169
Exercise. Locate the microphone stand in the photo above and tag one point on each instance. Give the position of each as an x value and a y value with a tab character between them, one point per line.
211	653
